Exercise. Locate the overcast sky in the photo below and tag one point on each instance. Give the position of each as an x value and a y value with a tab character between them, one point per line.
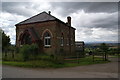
94	21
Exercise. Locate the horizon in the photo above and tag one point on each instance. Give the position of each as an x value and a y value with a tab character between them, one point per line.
95	42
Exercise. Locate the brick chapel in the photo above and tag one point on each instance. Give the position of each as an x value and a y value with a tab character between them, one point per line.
52	35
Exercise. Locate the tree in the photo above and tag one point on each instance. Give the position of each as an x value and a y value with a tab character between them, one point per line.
5	41
104	47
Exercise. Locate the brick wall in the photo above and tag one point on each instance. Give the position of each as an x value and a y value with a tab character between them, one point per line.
56	29
62	28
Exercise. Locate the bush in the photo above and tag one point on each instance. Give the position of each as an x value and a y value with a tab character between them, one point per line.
24	50
29	50
58	59
80	53
34	50
44	57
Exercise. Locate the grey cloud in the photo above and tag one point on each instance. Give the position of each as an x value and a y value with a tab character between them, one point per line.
27	8
109	22
89	7
106	24
20	8
108	7
85	31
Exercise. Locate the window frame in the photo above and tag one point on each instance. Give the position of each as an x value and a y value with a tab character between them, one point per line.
47	39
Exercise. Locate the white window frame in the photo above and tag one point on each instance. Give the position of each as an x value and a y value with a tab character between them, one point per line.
47	45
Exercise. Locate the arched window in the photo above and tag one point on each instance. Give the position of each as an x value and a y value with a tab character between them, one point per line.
25	38
47	39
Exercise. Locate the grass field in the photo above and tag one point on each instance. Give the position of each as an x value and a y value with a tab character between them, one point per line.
50	64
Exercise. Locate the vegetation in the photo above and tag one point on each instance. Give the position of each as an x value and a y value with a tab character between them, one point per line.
29	53
29	50
5	41
113	48
24	53
28	56
80	54
51	64
104	48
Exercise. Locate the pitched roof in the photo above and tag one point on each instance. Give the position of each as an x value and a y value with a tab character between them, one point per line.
44	16
38	18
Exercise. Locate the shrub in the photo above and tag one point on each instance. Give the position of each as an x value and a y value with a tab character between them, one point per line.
24	50
17	50
34	50
29	50
80	53
58	59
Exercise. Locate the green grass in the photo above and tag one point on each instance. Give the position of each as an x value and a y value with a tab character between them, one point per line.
33	64
50	64
115	56
0	62
85	61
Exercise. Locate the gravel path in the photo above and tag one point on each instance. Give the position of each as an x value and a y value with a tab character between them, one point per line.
107	70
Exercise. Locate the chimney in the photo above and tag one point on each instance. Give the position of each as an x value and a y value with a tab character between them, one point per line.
49	12
69	20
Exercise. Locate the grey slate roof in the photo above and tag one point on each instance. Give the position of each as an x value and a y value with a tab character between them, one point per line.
38	18
44	16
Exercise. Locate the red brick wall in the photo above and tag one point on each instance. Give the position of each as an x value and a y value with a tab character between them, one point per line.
56	28
62	28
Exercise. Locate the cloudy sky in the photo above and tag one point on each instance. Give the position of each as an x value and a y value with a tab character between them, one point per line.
94	21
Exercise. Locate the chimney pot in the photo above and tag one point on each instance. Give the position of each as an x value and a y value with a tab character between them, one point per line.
49	12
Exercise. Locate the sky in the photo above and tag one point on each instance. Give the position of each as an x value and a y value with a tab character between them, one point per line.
94	21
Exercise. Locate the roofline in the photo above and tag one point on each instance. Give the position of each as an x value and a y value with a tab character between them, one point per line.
61	21
79	41
29	18
34	22
64	23
45	21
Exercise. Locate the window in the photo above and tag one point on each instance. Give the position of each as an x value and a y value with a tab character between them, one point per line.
25	38
67	41
47	40
71	41
61	41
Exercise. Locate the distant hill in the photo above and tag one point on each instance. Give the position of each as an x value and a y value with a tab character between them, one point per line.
95	45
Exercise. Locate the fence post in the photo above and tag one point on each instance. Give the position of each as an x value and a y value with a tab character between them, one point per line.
78	57
93	57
